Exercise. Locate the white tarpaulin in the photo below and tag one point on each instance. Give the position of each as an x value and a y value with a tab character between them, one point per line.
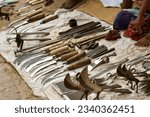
111	3
124	48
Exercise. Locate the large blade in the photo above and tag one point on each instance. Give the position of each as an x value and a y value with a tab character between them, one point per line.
38	68
39	62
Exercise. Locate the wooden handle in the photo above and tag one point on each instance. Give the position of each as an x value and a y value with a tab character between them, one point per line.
32	1
67	56
78	64
65	52
48	19
76	57
35	13
53	46
37	17
77	41
54	52
36	2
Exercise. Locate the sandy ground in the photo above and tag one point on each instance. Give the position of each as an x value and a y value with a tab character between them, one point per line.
12	86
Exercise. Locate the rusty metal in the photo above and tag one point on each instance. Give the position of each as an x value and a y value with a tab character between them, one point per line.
74	86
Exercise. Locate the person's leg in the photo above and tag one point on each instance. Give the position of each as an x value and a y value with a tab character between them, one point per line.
70	3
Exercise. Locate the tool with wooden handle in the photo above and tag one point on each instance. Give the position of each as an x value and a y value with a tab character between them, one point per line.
35	13
50	18
36	17
34	62
44	69
53	52
50	71
37	2
56	46
78	64
78	41
64	52
76	57
32	13
75	65
30	20
35	66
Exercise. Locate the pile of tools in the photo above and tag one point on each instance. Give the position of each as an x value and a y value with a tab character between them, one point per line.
58	58
84	83
75	52
83	30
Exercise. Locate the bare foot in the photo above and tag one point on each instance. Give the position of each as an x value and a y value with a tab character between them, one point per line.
144	42
69	4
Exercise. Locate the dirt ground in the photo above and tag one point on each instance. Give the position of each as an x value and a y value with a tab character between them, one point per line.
12	86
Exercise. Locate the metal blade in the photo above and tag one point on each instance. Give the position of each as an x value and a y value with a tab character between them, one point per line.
38	68
32	60
28	57
47	71
24	56
48	58
107	68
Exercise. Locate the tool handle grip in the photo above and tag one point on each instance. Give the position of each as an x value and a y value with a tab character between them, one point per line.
67	56
48	19
36	17
35	13
65	52
36	2
54	52
56	46
78	64
76	57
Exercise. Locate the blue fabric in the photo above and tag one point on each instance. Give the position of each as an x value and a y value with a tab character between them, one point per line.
123	19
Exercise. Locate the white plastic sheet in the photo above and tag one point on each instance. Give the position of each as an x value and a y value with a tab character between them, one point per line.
111	3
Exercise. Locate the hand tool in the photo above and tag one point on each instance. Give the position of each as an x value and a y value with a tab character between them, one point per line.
92	31
82	28
100	61
78	41
30	33
74	65
27	64
107	68
75	68
39	46
27	4
44	21
71	59
32	60
29	56
98	54
63	57
33	13
89	85
30	20
38	62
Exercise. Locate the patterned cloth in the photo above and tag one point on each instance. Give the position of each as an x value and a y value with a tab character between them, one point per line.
133	34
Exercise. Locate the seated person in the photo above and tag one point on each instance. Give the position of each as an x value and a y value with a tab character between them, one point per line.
145	41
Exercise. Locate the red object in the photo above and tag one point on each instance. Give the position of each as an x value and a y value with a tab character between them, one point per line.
133	34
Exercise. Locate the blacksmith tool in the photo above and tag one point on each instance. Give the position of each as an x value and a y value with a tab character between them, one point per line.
100	61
